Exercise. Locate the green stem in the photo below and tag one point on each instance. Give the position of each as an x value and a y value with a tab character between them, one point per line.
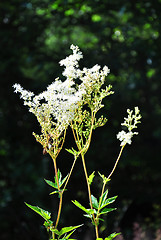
75	158
118	158
103	189
83	148
56	173
89	194
60	201
59	210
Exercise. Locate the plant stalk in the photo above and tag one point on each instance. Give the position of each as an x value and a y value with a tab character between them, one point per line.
118	158
59	210
89	194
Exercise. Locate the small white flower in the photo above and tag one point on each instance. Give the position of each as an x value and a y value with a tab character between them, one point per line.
130	122
125	137
106	70
71	63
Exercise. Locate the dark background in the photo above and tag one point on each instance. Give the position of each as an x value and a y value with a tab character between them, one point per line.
124	35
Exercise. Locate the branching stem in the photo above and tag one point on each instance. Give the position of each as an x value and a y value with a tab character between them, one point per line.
118	158
89	194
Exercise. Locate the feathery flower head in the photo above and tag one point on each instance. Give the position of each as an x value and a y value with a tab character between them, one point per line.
56	104
130	122
55	107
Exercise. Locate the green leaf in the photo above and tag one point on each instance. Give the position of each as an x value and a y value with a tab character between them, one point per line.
107	210
100	219
72	151
112	236
90	178
54	192
94	202
48	224
59	177
64	179
67	236
68	229
104	196
105	179
55	231
45	214
88	215
108	201
64	238
88	211
54	185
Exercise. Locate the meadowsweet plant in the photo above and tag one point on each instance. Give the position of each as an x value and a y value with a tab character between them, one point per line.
74	103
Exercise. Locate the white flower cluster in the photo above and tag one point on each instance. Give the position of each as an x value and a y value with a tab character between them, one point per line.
71	70
130	122
93	78
56	105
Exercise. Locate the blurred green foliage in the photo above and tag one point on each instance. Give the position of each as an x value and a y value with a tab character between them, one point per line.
124	35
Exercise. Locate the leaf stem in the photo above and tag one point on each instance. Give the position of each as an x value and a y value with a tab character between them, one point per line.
66	182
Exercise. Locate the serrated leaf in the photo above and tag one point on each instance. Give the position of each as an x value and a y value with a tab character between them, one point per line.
55	231
90	178
105	179
45	214
104	196
112	236
69	150
52	184
108	201
88	211
72	151
64	179
94	202
107	210
68	229
67	236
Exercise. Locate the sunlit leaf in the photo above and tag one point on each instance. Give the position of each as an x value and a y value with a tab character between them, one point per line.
112	236
90	178
103	198
108	201
88	211
54	192
64	179
94	202
55	231
59	177
72	151
54	185
107	210
68	229
45	214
